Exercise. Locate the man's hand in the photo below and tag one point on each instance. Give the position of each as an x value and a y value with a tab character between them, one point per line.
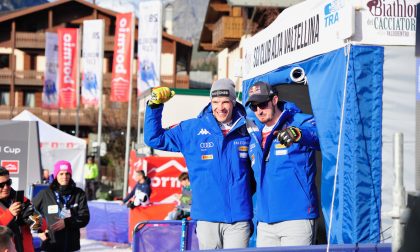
58	225
15	208
289	135
160	95
43	236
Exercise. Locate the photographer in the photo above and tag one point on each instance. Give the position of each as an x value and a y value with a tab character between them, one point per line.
18	216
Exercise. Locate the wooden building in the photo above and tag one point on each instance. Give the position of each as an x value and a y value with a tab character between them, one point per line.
228	23
22	61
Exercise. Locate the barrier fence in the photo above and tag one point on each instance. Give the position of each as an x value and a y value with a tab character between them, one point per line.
180	236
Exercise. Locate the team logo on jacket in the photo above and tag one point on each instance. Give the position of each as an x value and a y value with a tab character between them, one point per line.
203	132
206	157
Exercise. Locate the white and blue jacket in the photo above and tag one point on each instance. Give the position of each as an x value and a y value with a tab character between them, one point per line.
219	168
285	177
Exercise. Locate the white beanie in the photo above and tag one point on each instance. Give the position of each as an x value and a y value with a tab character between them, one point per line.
223	88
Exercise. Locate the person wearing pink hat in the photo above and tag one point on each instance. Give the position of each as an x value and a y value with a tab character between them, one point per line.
64	206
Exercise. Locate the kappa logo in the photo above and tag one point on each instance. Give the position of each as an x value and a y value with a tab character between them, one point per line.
203	132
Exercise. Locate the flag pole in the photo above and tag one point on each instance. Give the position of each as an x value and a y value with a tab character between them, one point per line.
98	154
130	94
77	82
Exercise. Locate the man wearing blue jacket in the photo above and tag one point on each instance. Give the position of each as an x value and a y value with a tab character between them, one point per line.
282	155
215	147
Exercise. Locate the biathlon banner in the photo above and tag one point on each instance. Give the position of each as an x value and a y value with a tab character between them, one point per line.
68	66
49	93
123	53
163	173
391	22
93	53
149	45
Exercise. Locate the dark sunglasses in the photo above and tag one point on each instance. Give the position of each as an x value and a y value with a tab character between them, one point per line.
8	183
262	105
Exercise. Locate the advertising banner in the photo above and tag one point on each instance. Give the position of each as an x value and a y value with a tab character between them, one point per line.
302	31
49	93
19	153
163	172
149	45
92	58
123	53
68	66
315	27
391	22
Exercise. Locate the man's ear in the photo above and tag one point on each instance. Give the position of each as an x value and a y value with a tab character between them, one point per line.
275	99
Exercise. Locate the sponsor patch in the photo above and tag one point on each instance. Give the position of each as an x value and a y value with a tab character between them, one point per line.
281	152
206	157
279	146
243	148
243	154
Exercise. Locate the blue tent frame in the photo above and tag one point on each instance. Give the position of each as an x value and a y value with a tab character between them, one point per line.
345	88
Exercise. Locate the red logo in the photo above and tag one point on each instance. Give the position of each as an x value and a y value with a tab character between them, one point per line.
11	165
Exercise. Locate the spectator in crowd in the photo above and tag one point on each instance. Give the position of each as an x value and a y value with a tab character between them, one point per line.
18	216
104	191
215	146
91	175
64	206
183	209
282	154
141	192
6	240
46	177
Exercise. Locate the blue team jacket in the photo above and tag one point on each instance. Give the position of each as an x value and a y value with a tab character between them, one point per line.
285	177
219	168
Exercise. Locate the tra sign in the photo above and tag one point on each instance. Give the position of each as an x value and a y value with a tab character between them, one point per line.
163	173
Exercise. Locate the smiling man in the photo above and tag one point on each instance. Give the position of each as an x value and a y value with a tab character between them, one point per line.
283	159
215	146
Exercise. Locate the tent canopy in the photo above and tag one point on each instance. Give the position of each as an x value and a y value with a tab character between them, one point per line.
57	145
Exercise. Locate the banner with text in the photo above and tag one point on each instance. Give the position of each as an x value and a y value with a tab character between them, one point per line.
123	53
391	22
68	66
304	30
149	45
163	173
49	93
92	58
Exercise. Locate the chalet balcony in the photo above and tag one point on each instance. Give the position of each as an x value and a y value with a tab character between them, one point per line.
227	30
34	78
36	40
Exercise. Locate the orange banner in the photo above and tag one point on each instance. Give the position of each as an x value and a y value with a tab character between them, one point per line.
123	50
163	173
68	66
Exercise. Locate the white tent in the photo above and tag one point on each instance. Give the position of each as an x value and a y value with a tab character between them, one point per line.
57	145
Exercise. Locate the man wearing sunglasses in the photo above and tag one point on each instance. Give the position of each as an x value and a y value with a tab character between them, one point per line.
215	147
18	216
282	155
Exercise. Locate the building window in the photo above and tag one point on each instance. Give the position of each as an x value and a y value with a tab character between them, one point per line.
29	99
4	98
4	60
